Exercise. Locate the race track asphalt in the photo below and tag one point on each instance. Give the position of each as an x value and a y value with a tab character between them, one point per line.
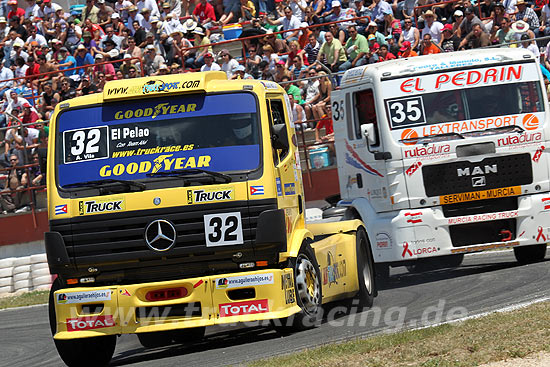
483	283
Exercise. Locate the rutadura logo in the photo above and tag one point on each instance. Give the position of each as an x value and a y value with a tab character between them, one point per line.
530	122
409	134
353	159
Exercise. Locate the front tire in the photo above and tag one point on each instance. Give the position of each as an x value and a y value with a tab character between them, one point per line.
530	254
307	285
96	351
365	269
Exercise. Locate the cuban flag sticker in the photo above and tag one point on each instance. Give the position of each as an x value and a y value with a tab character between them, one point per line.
257	190
61	209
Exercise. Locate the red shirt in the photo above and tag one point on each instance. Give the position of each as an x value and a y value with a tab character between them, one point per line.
327	124
19	12
30	118
32	71
204	12
389	56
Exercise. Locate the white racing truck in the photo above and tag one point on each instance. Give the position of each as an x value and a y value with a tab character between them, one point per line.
444	155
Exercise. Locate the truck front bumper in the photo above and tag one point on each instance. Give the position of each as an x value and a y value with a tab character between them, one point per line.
177	304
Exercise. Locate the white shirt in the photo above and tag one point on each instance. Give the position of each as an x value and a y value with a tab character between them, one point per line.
291	23
149	4
213	67
19	104
48	10
546	13
6	74
296	11
20	71
39	38
139	18
229	67
123	13
434	31
509	6
409	35
32	11
31	135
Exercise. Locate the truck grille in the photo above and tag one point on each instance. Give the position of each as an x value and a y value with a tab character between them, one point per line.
119	238
465	176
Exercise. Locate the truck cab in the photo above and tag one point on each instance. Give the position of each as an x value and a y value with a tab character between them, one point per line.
443	155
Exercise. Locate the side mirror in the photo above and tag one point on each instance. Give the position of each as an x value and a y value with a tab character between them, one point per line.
367	130
279	137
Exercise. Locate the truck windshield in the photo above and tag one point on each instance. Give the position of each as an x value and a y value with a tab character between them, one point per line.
142	139
465	101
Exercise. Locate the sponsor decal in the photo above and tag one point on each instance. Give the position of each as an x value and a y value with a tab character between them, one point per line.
418	251
257	190
244	308
290	188
477	170
100	206
478	181
451	80
353	159
288	220
480	195
244	281
414	217
61	209
210	195
89	323
145	151
87	296
160	86
270	85
279	187
540	235
413	168
161	162
383	241
546	203
376	193
471	125
538	154
493	246
153	112
409	134
425	151
197	284
521	140
334	270
353	75
287	285
530	122
124	292
483	217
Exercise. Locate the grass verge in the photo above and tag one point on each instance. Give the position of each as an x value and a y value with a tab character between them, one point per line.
25	299
495	337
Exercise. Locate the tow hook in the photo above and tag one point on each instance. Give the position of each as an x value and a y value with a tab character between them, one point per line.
506	235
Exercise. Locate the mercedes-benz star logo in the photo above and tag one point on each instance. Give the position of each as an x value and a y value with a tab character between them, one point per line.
160	235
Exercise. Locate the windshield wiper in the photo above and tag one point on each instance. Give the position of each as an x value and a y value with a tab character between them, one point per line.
497	130
100	183
192	171
434	137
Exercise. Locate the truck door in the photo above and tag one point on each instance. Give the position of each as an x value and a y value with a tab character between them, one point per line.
288	176
365	160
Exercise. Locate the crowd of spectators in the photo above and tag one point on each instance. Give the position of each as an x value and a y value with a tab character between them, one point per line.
130	38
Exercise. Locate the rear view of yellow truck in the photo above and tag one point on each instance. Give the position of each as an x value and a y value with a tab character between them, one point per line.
176	203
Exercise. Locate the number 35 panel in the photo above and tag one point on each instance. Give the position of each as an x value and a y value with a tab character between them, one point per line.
223	229
406	112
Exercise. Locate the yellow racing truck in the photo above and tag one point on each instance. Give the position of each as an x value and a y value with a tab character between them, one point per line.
176	203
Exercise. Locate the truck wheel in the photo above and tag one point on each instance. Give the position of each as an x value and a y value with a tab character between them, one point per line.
365	269
307	285
191	335
156	339
96	351
530	254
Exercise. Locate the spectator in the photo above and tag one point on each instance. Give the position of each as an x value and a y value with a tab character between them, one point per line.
384	54
291	89
86	86
152	61
204	14
104	14
110	35
4	29
326	123
67	91
151	7
467	25
406	50
91	12
529	44
229	64
392	26
37	178
15	11
31	11
297	69
544	28
133	50
289	21
357	48
200	39
281	71
231	10
48	101
505	34
528	15
278	45
298	114
325	89
29	115
450	41
12	200
332	54
209	64
311	50
5	74
409	34
312	95
67	62
133	17
35	37
433	28
252	62
106	69
428	47
379	8
372	29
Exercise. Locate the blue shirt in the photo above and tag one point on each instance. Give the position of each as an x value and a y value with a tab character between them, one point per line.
81	61
69	58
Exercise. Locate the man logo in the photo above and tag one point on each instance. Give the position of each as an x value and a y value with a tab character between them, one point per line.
478	181
530	122
409	134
